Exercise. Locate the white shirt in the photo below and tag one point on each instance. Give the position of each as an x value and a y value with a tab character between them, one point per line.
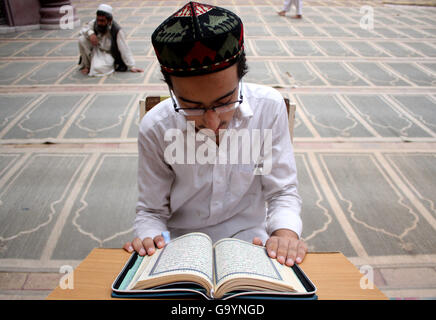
219	199
102	61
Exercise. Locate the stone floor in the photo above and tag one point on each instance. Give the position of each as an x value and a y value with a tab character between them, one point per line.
365	136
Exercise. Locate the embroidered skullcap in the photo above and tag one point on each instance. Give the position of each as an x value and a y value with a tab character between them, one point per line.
198	39
105	8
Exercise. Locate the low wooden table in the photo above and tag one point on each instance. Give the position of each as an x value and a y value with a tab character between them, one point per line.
335	277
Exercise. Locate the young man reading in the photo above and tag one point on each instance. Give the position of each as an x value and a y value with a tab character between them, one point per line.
201	53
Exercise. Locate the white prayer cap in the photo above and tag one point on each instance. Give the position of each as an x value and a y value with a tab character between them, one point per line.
105	8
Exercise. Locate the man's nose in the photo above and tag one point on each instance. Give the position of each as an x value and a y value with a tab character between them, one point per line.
211	119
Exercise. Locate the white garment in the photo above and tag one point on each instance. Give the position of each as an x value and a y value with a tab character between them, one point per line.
297	3
221	200
99	59
102	62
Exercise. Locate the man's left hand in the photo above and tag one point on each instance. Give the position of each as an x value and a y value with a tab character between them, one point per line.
134	69
285	246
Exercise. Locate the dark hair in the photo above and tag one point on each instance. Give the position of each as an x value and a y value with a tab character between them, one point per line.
104	14
242	70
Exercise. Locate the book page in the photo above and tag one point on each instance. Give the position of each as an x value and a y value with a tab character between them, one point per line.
145	260
236	257
191	253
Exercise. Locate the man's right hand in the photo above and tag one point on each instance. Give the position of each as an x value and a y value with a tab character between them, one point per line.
147	246
94	40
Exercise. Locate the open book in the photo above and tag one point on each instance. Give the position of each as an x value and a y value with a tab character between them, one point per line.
228	268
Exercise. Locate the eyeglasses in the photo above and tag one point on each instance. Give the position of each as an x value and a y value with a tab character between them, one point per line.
221	108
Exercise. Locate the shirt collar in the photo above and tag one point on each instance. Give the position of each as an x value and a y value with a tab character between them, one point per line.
181	122
244	109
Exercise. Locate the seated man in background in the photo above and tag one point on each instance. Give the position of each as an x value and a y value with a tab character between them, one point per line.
103	47
200	49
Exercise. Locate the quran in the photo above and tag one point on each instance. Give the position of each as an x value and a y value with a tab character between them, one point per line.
193	265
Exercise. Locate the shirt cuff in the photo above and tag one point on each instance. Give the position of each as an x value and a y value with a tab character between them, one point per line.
148	228
285	219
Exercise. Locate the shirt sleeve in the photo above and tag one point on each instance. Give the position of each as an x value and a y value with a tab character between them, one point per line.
155	179
280	184
88	29
126	53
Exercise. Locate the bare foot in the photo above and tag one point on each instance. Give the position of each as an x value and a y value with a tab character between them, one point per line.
84	71
299	16
282	13
136	70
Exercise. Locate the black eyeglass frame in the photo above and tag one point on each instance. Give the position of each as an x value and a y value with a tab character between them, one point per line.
237	103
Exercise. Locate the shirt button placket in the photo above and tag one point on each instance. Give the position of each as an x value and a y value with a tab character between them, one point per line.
218	191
